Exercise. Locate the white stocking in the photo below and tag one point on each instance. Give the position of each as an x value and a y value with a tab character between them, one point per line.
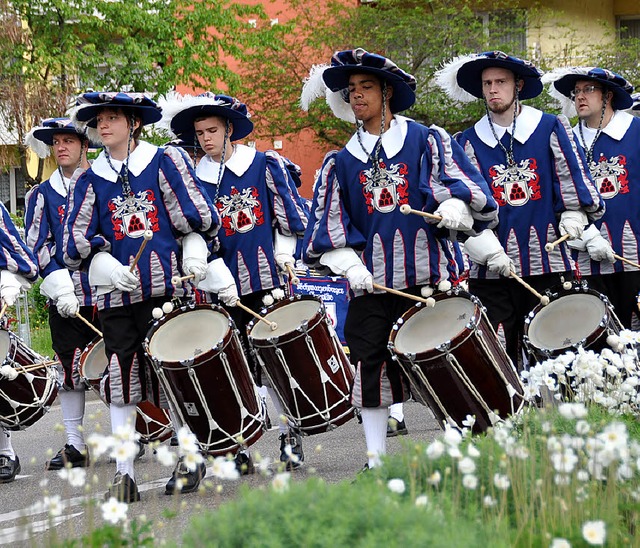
374	422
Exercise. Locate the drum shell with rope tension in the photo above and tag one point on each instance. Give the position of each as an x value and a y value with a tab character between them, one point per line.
454	361
152	422
25	399
575	317
197	354
305	362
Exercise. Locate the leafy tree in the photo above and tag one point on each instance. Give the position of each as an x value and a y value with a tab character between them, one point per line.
419	36
58	47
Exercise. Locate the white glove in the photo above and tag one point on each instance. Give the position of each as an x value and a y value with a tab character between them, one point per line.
345	262
194	256
229	295
10	286
456	215
486	249
123	279
284	248
68	305
572	223
106	272
58	286
595	244
218	277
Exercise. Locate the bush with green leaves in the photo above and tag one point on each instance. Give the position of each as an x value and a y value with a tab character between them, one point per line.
316	514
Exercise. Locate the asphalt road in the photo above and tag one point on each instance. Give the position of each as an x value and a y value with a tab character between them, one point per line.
334	456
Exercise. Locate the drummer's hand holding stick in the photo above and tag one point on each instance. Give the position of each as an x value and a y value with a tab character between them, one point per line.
486	249
595	244
571	225
452	213
284	248
10	286
346	262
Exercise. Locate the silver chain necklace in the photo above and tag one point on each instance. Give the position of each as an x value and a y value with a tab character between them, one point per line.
589	151
511	162
375	157
124	179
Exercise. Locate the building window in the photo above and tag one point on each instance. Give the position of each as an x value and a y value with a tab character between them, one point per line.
506	29
12	190
629	28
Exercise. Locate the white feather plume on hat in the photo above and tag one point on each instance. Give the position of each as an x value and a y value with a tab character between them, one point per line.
41	149
447	79
568	106
170	103
314	87
92	133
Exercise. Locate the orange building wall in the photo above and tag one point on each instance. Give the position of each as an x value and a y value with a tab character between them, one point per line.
299	148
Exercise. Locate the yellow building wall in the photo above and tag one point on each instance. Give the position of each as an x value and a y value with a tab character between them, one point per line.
557	31
32	165
626	7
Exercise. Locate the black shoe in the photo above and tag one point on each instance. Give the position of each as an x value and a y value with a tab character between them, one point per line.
296	457
396	428
174	440
244	464
124	489
9	468
68	456
188	480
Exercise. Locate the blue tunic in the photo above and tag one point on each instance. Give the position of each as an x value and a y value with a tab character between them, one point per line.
15	256
257	195
167	199
421	167
616	172
549	178
44	228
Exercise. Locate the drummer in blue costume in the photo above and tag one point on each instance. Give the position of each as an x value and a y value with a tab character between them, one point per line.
537	176
18	270
610	139
357	228
261	214
133	190
69	293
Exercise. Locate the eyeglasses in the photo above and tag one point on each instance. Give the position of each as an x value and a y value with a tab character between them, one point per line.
587	90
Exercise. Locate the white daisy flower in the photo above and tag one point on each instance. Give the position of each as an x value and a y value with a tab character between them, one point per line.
280	482
396	485
114	511
594	532
469	481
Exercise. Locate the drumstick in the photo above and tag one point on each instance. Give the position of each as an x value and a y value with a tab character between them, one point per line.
3	310
292	275
148	234
549	247
430	302
406	210
544	300
89	324
179	279
32	366
272	325
620	258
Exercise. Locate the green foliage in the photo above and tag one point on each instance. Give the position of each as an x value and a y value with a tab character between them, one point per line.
137	533
54	48
419	37
316	514
536	507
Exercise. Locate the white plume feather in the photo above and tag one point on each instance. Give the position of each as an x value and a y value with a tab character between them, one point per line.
568	106
447	79
41	149
340	108
313	86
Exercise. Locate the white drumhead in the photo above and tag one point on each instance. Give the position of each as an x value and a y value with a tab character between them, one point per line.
432	326
288	318
188	335
5	343
566	321
95	362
